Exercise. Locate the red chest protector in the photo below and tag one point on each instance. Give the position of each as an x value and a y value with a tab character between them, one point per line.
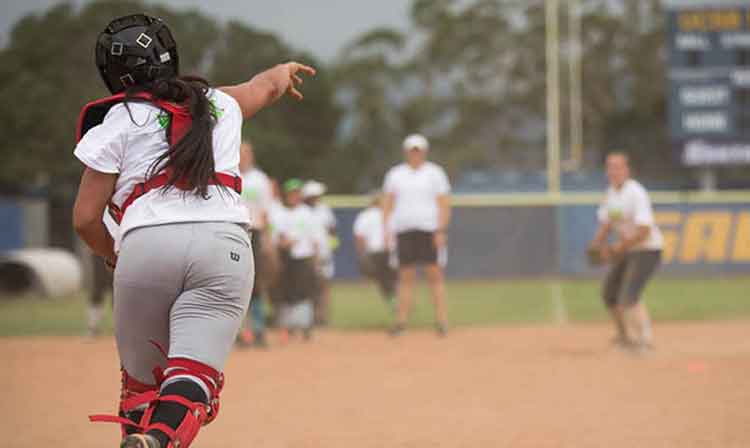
180	122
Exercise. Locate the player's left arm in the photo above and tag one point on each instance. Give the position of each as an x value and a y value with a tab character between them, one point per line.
443	189
94	193
444	220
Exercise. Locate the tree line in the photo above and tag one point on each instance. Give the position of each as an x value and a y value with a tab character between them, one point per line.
469	74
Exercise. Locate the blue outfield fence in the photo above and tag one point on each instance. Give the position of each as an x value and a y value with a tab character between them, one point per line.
540	235
11	225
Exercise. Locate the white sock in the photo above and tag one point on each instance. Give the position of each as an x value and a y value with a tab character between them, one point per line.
95	314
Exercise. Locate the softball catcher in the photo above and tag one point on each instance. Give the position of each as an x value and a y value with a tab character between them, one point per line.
162	156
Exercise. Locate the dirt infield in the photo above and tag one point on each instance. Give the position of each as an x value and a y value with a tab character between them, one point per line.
516	387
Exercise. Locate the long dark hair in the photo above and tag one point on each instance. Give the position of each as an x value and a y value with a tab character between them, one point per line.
191	160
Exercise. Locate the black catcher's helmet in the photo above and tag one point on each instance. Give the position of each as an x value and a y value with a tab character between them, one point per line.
135	49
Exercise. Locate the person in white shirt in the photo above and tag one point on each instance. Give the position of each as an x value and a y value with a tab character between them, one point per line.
162	154
372	252
258	196
274	280
417	209
298	239
635	255
312	192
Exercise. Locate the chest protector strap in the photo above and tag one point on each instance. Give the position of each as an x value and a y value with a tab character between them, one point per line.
180	123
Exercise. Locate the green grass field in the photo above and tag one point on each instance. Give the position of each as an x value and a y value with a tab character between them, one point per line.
476	303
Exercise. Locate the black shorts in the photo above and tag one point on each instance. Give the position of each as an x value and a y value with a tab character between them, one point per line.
376	265
627	278
416	247
300	279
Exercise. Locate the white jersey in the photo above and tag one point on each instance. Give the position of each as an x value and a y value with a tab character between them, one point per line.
415	193
257	194
127	146
626	209
369	225
297	225
325	220
276	212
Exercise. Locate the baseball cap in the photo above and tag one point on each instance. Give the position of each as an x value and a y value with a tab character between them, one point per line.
313	189
416	141
292	185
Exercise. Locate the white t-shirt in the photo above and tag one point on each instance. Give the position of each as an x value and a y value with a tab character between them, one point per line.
626	209
415	196
369	225
128	146
276	213
256	192
325	220
298	225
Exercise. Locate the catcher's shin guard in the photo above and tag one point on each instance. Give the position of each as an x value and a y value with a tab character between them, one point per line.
135	398
189	399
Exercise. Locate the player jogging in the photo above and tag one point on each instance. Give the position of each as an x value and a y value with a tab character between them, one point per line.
417	207
626	211
163	155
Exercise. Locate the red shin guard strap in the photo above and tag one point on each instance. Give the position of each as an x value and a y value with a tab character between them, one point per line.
134	393
113	419
195	417
213	379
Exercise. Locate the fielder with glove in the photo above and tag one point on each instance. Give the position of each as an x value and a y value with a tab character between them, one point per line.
633	258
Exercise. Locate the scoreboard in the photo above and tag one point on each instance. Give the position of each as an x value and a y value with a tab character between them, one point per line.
709	84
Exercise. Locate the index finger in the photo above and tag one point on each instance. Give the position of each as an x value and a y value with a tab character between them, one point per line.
305	68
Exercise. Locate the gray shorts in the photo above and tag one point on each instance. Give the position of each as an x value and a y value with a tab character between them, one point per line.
627	278
184	286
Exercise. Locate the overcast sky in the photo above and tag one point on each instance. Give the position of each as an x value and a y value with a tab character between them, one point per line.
320	26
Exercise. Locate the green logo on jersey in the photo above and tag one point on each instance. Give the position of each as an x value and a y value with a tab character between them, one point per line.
215	110
163	118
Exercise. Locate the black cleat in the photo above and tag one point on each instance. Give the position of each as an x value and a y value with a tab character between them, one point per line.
441	329
396	330
260	341
140	441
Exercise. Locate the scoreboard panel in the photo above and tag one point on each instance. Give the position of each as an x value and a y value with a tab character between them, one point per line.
709	84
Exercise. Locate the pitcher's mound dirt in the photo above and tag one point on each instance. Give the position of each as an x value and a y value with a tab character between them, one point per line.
514	387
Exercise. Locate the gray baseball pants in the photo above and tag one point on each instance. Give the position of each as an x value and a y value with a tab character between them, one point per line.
185	286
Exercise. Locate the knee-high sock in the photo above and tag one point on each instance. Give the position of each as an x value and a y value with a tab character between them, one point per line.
172	414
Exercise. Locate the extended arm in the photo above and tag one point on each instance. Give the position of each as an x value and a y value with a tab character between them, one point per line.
267	87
